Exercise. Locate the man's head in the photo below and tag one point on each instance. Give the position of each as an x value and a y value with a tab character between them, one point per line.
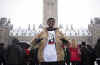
51	22
83	43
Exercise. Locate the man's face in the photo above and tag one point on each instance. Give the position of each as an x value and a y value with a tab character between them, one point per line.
51	23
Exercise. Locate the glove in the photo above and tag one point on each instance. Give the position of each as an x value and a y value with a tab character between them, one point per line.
64	41
38	40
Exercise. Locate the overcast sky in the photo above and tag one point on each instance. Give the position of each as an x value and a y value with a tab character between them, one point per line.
24	12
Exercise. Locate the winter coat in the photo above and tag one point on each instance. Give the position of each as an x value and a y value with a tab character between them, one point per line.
97	49
41	45
91	55
84	55
3	56
15	55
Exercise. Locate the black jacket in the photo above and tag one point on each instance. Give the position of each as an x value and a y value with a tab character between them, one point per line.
84	55
15	55
97	49
3	56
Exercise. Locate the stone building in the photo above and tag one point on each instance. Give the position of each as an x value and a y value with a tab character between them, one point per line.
4	30
50	10
94	28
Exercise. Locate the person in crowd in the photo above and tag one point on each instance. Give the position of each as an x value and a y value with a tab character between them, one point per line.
84	54
3	58
34	57
97	49
49	43
88	54
15	54
27	57
91	55
67	54
75	53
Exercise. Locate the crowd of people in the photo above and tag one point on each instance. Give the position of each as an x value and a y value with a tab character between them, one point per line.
49	47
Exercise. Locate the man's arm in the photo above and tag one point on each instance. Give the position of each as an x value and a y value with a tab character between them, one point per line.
36	40
64	39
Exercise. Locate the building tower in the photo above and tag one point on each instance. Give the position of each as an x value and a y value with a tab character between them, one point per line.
94	29
50	10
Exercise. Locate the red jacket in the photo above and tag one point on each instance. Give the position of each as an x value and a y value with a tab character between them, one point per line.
75	54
